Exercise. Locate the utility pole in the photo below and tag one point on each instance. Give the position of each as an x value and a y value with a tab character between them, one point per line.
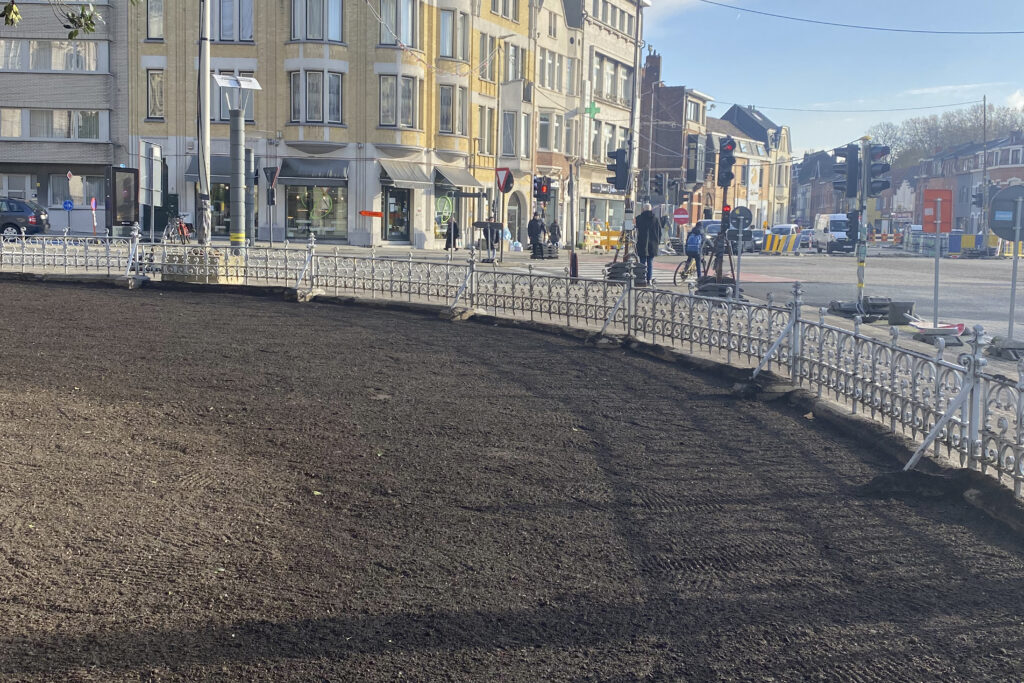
203	208
634	126
862	245
984	174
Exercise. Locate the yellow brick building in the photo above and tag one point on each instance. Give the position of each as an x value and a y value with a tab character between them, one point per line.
386	105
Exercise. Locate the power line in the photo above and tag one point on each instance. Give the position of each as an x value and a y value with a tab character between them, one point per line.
858	111
862	27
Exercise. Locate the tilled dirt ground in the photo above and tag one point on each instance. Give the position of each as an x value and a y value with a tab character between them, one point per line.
209	486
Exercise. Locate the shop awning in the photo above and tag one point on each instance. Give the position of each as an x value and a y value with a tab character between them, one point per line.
405	174
319	172
220	170
459	177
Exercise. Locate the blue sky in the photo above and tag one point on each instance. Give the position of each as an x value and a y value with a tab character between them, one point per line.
782	63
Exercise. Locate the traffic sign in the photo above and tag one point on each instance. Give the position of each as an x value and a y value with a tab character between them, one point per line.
505	179
70	176
1003	215
741	218
271	172
92	203
681	216
68	205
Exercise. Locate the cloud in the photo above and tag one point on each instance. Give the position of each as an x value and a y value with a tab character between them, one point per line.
1016	100
941	89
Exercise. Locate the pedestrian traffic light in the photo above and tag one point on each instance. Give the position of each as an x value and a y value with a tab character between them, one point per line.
848	171
726	217
542	188
874	185
658	185
853	226
726	160
620	168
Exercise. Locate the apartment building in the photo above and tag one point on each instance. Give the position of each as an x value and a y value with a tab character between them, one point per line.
394	106
611	30
61	125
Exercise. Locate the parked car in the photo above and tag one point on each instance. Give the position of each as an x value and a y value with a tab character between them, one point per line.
804	242
18	214
757	239
829	233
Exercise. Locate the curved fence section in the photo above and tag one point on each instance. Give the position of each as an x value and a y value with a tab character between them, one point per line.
952	406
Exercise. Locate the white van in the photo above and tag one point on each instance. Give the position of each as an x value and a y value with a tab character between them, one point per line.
829	233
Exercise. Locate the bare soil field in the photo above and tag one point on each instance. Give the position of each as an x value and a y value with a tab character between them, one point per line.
221	487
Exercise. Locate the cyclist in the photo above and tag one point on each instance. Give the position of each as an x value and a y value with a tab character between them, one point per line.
694	242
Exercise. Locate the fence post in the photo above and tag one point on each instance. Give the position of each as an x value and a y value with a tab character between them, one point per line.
408	292
974	415
795	336
472	277
630	303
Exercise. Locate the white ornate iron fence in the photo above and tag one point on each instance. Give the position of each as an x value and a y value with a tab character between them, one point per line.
952	407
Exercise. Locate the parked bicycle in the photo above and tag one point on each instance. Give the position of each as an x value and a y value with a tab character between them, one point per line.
177	231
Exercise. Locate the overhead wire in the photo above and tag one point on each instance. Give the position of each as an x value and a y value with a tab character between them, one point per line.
862	27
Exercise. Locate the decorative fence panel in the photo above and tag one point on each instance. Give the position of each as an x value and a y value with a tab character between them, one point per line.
951	406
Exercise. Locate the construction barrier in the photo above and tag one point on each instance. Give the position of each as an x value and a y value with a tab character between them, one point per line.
1006	247
974	241
780	244
601	240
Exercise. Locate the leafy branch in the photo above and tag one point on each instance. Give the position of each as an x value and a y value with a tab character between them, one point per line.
76	19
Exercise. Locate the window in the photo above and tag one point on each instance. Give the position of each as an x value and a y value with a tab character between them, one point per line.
525	144
609	79
598	75
234	20
693	111
544	130
550	66
604	12
463	111
10	123
570	75
155	94
447	33
296	87
609	138
629	24
597	9
508	133
552	24
595	142
570	136
556	133
334	98
314	96
542	77
559	71
155	19
88	125
79	189
488	50
398	101
447	122
625	80
11	54
463	36
1015	157
513	61
485	118
314	19
63	55
398	22
506	8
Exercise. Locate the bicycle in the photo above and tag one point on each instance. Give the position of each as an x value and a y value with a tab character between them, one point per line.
176	231
681	276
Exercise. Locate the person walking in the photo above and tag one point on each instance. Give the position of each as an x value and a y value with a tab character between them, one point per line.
535	231
451	240
648	239
694	242
554	233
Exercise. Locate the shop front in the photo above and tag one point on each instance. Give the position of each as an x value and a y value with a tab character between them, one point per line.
220	192
449	183
400	182
605	206
316	198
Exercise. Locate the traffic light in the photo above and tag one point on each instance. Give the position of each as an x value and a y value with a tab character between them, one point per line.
726	160
874	185
849	170
658	185
542	189
620	168
271	196
726	217
978	199
853	226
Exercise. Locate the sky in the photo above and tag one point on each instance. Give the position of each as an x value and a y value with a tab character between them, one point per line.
782	63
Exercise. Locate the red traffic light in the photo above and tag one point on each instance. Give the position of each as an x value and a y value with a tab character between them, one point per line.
544	188
729	145
726	208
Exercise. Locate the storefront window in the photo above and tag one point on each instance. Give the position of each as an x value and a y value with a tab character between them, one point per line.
397	214
616	212
320	210
446	206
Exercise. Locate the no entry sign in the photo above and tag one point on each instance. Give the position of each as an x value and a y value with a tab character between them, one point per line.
681	216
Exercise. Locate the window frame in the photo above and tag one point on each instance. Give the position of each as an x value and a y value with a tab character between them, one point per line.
151	113
243	16
451	90
318	100
154	7
508	115
544	119
391	79
404	31
330	77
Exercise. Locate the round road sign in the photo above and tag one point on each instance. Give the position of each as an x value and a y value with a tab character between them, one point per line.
741	218
1003	214
681	216
68	205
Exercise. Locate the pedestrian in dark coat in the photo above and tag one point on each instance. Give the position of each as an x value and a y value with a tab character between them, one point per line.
451	240
554	233
648	239
535	231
